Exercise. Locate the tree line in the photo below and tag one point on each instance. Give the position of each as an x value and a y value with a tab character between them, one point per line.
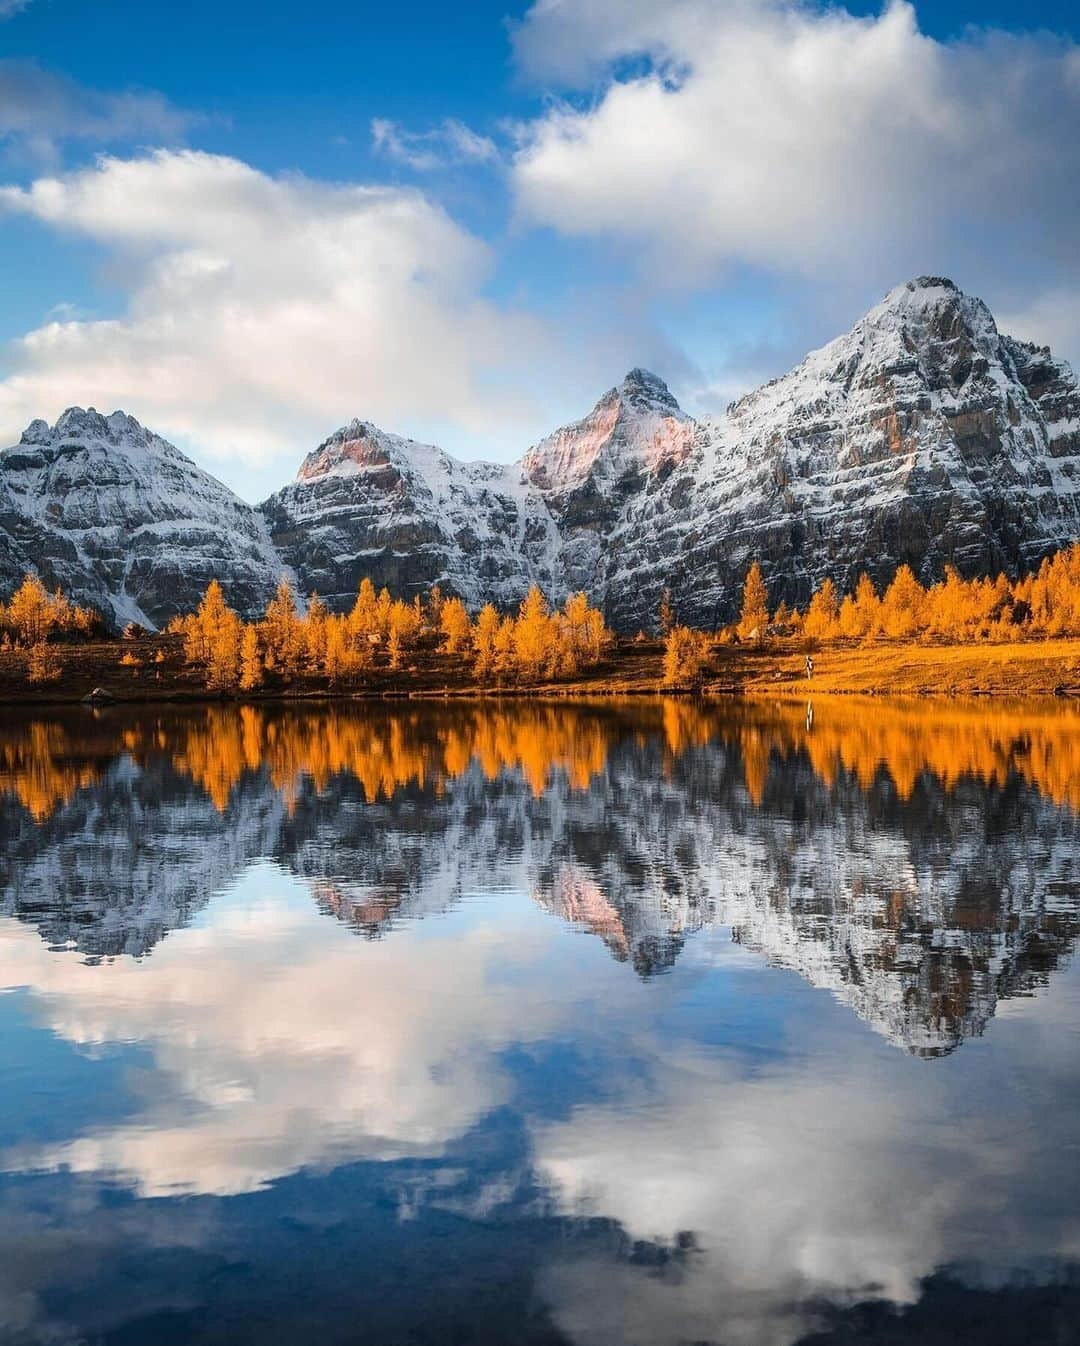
1041	604
291	644
1045	602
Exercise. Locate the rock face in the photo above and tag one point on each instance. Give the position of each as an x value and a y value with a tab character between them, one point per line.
922	436
368	503
125	522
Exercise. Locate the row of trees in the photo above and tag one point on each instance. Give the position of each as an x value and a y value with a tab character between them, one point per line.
1043	604
33	615
1046	603
289	645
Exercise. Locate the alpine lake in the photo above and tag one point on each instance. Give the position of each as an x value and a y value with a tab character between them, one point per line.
649	1021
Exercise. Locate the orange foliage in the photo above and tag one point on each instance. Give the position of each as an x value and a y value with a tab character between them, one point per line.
44	764
1045	604
32	615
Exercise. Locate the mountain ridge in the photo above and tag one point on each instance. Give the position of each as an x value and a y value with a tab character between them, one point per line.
920	436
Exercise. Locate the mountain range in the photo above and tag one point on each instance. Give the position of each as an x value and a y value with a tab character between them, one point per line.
921	436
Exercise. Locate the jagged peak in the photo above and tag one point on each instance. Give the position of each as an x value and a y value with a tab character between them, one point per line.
636	425
647	391
925	296
84	422
358	445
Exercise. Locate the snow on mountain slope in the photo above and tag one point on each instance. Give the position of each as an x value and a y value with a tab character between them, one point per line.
920	436
124	521
588	472
368	503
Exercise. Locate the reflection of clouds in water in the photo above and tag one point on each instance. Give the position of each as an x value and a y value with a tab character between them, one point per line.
839	1170
834	1175
282	1042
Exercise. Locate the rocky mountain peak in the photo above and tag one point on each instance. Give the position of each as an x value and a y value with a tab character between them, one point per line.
89	423
635	427
645	391
357	446
934	308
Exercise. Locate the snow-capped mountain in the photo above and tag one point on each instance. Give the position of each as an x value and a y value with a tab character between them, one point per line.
923	436
590	473
920	436
368	503
125	522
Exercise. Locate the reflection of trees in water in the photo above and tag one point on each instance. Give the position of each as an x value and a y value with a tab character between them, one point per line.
919	864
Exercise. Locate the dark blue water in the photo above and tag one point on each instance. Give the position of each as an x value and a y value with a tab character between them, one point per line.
598	1024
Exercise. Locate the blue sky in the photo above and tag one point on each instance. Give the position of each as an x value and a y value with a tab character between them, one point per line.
465	222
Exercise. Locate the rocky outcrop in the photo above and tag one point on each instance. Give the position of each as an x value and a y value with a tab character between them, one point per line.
123	521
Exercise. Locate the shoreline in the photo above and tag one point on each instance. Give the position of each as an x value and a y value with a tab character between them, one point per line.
156	675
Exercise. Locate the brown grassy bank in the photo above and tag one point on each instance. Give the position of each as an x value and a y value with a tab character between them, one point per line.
153	669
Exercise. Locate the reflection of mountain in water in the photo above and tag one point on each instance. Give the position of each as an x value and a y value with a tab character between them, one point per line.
130	858
919	894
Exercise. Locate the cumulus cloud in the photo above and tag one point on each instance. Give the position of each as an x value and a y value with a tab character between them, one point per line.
261	311
39	108
799	139
451	143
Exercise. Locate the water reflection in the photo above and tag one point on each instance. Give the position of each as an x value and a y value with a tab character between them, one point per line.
921	866
661	1132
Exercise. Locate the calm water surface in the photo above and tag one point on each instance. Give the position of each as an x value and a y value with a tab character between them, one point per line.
644	1023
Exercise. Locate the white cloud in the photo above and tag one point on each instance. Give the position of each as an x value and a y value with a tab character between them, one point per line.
802	140
39	108
1049	317
451	143
263	311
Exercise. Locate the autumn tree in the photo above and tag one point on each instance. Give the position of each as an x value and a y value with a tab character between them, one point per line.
282	630
902	604
533	637
212	639
860	614
822	616
686	656
251	661
583	631
43	664
403	621
455	625
31	612
505	648
313	632
755	605
485	633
